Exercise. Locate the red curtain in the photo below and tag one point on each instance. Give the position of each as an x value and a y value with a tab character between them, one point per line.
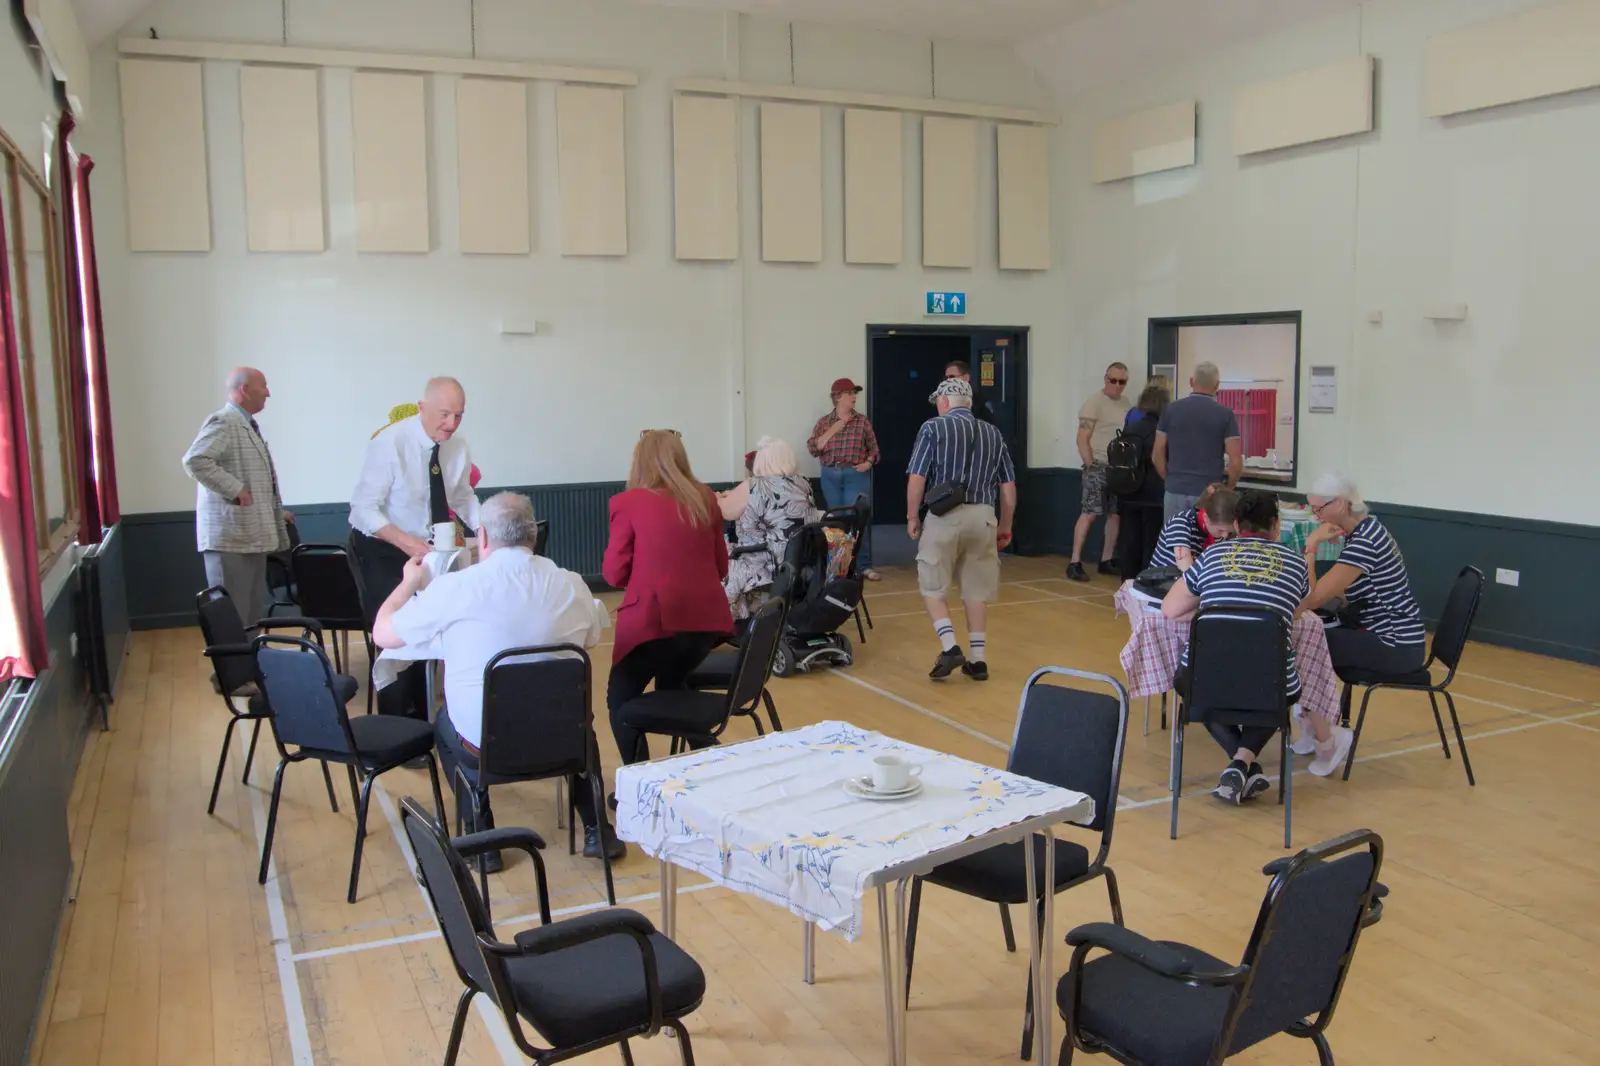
1257	414
105	469
78	362
23	652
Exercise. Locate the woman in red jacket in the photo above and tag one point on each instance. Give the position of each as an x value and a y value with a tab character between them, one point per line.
667	551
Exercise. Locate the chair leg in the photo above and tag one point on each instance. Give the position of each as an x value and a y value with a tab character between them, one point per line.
1064	1059
1177	764
1027	1015
627	1053
562	786
1461	742
1286	777
914	911
572	816
1005	927
222	761
361	835
868	612
1355	741
1116	896
772	711
685	1049
861	631
1324	1052
338	660
601	820
355	789
1438	723
250	752
459	1023
371	658
438	796
327	779
272	821
1344	705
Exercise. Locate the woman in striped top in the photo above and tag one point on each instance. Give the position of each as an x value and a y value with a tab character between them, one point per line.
1371	575
1252	570
1208	521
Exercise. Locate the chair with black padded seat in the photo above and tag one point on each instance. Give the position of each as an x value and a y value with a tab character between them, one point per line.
541	539
538	724
583	983
329	589
695	719
1449	641
1238	662
1068	737
233	659
1159	1003
280	574
308	714
717	670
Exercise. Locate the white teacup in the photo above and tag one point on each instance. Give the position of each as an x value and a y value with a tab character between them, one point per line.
444	536
890	773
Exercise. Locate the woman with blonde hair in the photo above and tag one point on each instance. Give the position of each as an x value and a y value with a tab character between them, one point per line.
666	549
776	502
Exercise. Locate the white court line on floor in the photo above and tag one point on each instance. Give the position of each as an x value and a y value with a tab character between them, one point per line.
1524	688
1050	597
294	1008
1530	714
959	727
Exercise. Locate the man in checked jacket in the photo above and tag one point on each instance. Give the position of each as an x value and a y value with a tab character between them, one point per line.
238	515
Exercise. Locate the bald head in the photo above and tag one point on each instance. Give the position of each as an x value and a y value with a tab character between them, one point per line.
443	404
247	389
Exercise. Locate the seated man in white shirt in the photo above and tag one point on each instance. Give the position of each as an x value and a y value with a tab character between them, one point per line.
511	598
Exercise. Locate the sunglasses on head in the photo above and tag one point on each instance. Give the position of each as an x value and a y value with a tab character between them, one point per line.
643	433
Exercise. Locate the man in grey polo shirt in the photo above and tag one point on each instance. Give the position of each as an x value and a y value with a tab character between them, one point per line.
1197	443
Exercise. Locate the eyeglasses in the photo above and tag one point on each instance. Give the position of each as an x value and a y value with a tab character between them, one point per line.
1117	381
643	433
1318	508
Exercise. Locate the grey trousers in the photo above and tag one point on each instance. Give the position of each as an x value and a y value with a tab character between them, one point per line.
1174	502
245	578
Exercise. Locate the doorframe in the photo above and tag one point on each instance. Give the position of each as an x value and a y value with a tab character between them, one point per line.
963	329
1161	328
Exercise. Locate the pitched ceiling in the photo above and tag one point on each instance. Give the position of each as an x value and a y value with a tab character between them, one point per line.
99	19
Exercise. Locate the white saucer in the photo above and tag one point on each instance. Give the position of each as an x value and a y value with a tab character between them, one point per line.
861	788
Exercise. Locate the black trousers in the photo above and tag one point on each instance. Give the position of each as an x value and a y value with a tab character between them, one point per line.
381	565
668	662
1136	540
1233	737
453	753
1363	650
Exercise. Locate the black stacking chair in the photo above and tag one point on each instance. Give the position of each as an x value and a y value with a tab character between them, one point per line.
1449	640
1158	1003
228	648
280	574
856	520
1237	662
694	719
537	724
582	983
307	703
541	539
329	588
1070	738
717	670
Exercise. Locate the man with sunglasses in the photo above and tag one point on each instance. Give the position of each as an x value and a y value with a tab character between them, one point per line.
1101	416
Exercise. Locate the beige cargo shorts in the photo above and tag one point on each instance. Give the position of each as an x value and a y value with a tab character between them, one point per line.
960	546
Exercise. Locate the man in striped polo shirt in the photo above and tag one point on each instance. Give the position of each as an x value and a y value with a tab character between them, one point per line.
963	544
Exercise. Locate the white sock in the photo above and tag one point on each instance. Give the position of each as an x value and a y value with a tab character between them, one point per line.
975	642
947	633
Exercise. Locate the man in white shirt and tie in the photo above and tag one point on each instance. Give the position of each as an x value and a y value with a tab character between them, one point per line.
415	473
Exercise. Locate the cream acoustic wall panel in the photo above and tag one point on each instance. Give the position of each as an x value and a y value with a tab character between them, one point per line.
1023	170
591	127
1313	105
281	121
390	134
874	190
1145	142
949	192
1543	52
492	154
791	183
164	150
705	177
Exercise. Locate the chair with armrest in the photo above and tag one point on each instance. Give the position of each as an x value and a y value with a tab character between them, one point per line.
228	648
1160	1003
1449	640
310	722
1071	738
583	983
1238	659
538	724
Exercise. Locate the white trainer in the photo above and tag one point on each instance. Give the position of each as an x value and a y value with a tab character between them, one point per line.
1331	754
1307	742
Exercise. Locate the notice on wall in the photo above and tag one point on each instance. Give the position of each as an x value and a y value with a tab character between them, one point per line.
1324	390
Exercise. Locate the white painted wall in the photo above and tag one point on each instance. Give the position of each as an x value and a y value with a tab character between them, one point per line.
726	352
1498	210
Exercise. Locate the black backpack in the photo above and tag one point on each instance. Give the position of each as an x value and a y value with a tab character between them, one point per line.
1125	465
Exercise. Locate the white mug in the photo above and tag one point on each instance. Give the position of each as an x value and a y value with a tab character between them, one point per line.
444	536
890	773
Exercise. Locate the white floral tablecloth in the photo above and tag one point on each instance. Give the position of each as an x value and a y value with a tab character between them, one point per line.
770	816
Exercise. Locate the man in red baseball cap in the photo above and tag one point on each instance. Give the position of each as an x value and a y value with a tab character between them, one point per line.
844	443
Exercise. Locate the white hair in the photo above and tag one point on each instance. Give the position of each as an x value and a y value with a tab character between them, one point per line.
1206	375
508	521
774	458
1338	486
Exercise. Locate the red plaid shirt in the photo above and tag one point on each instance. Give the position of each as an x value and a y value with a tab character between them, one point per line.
851	446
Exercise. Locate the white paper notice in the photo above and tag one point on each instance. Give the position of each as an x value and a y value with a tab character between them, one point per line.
1324	390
